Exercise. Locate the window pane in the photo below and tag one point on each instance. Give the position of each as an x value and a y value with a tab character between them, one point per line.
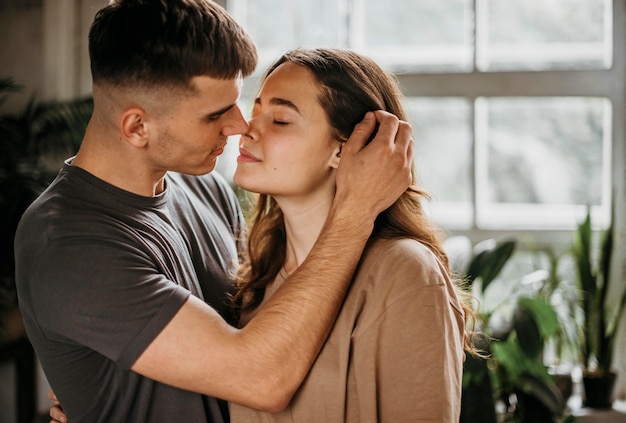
416	34
541	160
401	35
279	25
541	35
443	156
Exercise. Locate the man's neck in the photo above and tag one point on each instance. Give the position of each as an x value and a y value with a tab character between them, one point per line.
119	168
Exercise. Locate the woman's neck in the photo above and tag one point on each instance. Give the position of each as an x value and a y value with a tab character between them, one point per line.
303	224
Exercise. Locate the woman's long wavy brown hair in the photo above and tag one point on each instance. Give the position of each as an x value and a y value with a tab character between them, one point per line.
350	85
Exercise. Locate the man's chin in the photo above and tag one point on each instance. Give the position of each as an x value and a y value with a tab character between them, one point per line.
199	170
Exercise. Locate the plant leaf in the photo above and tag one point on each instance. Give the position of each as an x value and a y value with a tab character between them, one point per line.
543	314
489	261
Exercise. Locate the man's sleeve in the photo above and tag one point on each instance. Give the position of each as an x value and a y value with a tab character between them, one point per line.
104	295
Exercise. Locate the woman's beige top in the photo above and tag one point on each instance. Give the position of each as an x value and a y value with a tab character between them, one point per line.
395	353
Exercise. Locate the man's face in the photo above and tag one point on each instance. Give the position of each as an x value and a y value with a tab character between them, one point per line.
193	132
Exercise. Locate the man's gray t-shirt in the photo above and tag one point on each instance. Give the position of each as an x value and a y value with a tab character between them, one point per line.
101	271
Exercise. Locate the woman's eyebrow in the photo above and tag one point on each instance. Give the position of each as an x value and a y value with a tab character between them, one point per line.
280	102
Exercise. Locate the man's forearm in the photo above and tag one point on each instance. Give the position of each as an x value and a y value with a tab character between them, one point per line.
262	365
290	330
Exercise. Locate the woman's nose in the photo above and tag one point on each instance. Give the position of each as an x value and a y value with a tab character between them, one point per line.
248	136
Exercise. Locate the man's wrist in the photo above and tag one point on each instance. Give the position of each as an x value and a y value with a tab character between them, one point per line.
358	223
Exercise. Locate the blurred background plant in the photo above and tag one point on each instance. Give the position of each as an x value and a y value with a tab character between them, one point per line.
518	322
603	305
33	145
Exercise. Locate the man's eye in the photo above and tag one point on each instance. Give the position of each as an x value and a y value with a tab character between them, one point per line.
212	118
280	123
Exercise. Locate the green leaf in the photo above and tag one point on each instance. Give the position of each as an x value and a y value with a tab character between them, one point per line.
511	358
489	261
582	253
515	362
545	391
543	314
527	331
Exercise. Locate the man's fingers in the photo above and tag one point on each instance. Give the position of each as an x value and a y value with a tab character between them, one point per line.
56	412
388	126
404	142
372	177
389	129
361	132
403	137
57	415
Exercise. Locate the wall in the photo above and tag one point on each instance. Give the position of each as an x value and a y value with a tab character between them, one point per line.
21	46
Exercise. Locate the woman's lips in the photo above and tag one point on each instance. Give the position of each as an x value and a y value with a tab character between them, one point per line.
246	157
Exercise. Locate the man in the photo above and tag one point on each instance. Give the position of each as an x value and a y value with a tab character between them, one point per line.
115	259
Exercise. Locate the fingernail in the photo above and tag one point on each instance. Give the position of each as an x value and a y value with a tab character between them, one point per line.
368	116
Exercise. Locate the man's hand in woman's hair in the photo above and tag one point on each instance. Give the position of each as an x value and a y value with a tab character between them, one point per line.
371	176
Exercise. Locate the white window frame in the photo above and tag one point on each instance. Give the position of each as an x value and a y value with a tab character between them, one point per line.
67	76
475	84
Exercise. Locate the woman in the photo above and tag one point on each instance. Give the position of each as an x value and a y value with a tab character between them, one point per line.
396	351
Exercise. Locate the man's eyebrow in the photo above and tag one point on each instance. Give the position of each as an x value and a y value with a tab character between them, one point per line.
280	102
221	111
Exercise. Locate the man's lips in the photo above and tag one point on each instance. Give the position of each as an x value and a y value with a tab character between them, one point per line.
218	151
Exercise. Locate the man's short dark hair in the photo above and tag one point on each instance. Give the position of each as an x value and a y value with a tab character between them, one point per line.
167	42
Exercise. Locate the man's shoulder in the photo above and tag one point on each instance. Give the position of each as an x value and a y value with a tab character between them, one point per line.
212	181
212	190
52	202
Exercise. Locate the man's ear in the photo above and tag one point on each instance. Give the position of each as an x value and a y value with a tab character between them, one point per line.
134	126
336	157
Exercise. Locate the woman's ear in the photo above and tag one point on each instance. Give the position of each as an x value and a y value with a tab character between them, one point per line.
336	157
134	126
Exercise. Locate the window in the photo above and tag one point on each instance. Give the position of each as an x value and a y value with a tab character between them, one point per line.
535	159
513	103
539	35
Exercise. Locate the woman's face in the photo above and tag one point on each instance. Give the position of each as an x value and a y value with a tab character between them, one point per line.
289	150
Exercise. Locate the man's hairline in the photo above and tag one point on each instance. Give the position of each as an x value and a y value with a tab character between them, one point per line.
189	88
176	92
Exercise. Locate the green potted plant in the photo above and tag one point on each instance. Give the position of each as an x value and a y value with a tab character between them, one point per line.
601	312
518	363
514	336
560	291
478	401
33	145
